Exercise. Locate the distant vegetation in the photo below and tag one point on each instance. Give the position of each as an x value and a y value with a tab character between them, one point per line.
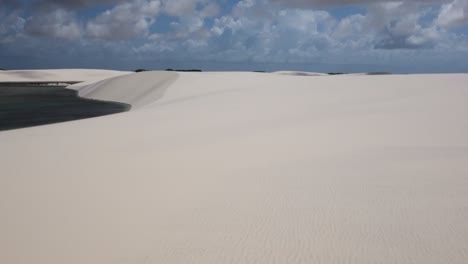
191	70
379	73
336	73
369	73
198	70
176	70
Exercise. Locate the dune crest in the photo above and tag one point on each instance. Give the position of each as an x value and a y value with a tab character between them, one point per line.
136	89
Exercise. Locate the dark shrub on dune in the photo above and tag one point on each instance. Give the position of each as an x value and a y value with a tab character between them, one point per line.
140	70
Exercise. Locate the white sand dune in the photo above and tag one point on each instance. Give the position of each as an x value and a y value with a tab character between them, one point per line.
58	75
245	168
135	89
300	73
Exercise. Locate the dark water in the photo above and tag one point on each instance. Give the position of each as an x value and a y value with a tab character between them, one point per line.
31	105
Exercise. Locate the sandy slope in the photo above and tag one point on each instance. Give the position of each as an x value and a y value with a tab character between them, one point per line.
247	168
137	89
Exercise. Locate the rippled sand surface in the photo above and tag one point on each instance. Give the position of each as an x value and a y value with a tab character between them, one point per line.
245	168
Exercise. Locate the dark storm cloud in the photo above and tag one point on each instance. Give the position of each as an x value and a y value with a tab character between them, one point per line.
9	4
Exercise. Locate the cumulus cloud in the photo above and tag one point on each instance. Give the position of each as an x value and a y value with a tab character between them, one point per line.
56	24
188	25
257	30
453	14
398	25
282	31
188	7
124	21
340	3
69	4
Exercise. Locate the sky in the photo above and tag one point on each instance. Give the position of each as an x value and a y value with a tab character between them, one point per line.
412	36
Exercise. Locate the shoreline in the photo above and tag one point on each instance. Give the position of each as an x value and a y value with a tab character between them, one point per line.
24	105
